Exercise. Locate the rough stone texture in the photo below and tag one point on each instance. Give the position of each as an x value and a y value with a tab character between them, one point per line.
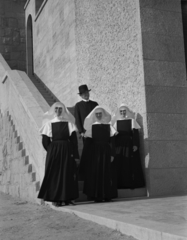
167	127
161	22
163	47
163	73
166	96
12	33
109	52
166	5
166	99
165	182
171	154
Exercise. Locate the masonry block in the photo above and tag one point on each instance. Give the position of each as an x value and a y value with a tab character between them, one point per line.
166	99
161	22
163	73
167	154
163	48
166	5
167	126
165	182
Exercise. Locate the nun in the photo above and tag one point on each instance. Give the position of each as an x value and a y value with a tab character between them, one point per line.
59	139
98	184
127	159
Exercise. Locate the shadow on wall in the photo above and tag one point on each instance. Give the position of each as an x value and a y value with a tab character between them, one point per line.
47	94
143	146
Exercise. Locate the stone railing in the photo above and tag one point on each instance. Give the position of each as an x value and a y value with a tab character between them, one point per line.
24	103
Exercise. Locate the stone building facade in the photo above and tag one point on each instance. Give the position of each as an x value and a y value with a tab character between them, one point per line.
12	33
130	51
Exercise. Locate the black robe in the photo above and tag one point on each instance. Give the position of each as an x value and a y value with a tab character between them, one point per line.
98	182
82	109
128	163
60	180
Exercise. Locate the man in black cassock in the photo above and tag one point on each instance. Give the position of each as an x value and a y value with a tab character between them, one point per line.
83	108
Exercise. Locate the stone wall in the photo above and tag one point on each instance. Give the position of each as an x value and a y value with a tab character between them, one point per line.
12	33
54	47
109	55
166	96
93	42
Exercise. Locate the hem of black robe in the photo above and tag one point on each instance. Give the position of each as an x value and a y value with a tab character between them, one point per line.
51	199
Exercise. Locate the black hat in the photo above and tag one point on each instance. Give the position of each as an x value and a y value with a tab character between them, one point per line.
83	89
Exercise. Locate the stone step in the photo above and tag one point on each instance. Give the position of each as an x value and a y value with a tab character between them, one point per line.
50	99
122	193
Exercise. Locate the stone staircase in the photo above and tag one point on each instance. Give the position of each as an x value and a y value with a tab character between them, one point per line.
18	176
44	90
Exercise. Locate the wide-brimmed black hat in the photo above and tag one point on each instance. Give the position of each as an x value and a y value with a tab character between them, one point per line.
83	89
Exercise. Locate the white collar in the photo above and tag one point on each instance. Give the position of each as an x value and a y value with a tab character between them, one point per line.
85	100
56	119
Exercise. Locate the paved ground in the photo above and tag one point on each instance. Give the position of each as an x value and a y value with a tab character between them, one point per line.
20	220
163	218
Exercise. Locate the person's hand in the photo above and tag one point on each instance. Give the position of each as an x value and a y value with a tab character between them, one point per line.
77	160
82	135
135	148
112	158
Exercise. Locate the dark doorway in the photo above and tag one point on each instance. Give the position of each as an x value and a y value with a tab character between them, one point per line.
29	53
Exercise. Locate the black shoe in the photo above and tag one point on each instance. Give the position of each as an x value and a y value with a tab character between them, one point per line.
66	203
57	204
72	203
69	202
90	198
97	200
108	200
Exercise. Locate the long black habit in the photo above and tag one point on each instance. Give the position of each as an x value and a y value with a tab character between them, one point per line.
98	182
60	180
128	163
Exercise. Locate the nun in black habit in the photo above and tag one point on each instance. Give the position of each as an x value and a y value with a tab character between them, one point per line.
59	140
98	184
127	159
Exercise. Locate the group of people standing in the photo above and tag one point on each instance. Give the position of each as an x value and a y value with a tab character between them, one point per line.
110	157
